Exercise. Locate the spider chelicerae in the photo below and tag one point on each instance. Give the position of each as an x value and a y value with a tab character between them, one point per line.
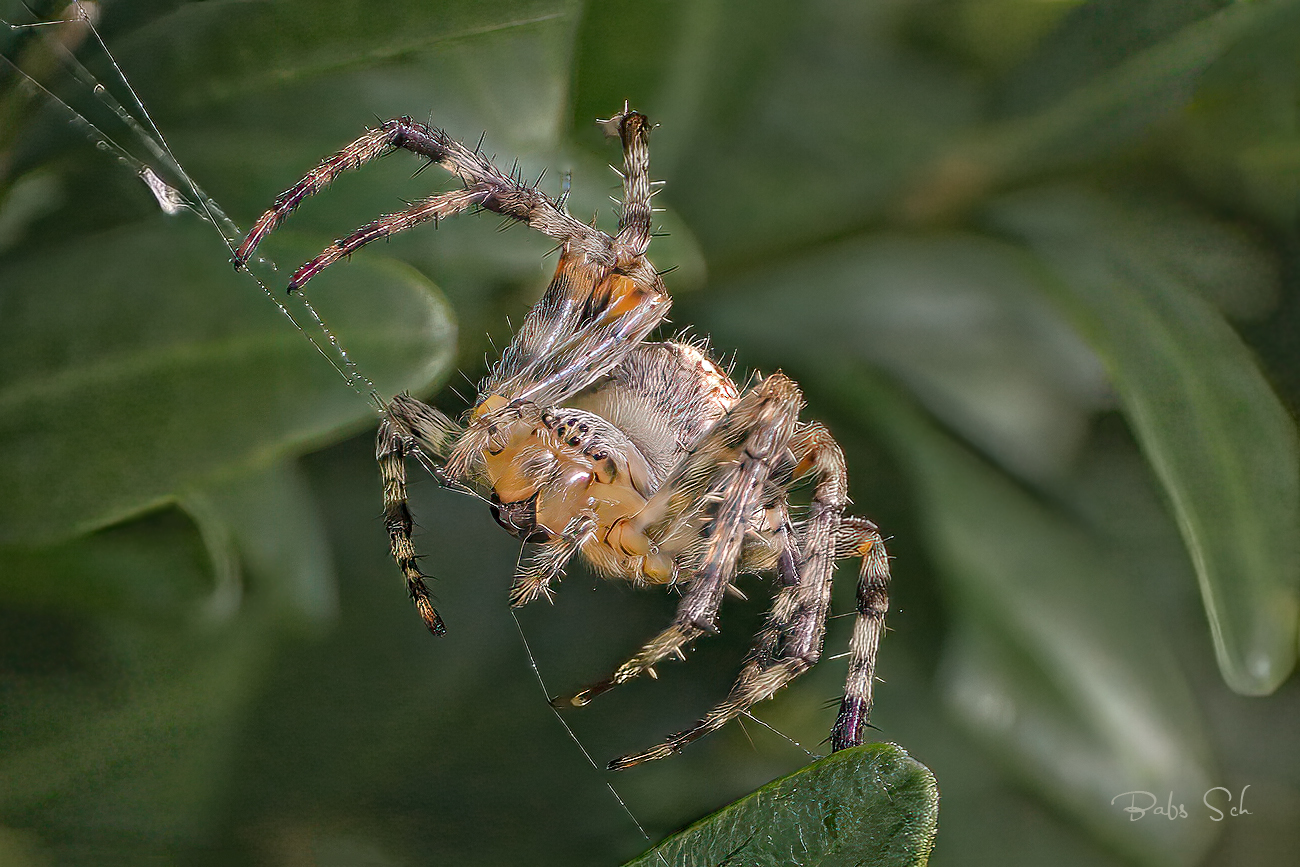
644	457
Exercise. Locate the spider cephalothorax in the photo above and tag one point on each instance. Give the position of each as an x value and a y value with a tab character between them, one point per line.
642	456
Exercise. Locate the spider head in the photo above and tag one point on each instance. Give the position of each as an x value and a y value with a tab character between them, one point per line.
547	469
537	488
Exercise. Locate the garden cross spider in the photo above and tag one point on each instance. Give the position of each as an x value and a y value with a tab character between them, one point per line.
642	456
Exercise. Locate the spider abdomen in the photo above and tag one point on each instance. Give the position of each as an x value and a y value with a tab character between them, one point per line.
663	397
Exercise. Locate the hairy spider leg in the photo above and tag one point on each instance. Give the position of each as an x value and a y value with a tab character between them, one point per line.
506	195
791	639
819	455
761	676
409	427
634	219
433	209
534	576
760	425
861	537
600	304
431	429
390	452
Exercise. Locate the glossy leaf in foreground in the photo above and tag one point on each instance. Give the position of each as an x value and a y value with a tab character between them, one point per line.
1217	436
873	804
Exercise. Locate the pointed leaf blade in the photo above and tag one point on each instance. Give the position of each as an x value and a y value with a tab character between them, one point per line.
873	804
1221	443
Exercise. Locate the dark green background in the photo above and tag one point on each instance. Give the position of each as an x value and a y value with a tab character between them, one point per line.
1033	262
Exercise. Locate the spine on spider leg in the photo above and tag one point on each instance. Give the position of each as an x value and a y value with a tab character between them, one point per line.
390	452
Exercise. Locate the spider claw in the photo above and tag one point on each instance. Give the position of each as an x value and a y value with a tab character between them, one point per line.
673	745
582	699
432	620
705	625
622	763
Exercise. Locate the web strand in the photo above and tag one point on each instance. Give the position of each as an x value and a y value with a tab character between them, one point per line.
170	200
532	663
350	372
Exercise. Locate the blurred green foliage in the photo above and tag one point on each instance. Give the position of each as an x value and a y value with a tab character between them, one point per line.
1033	261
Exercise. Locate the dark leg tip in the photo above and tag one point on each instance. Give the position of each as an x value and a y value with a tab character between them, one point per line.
432	620
705	625
583	698
848	726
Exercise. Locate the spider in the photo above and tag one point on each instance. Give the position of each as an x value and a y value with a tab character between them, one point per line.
644	457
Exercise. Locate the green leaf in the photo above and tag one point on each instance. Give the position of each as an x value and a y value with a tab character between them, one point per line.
155	570
873	804
1091	39
225	53
1102	113
1058	665
168	369
269	519
1218	438
124	706
958	318
1235	143
1056	737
